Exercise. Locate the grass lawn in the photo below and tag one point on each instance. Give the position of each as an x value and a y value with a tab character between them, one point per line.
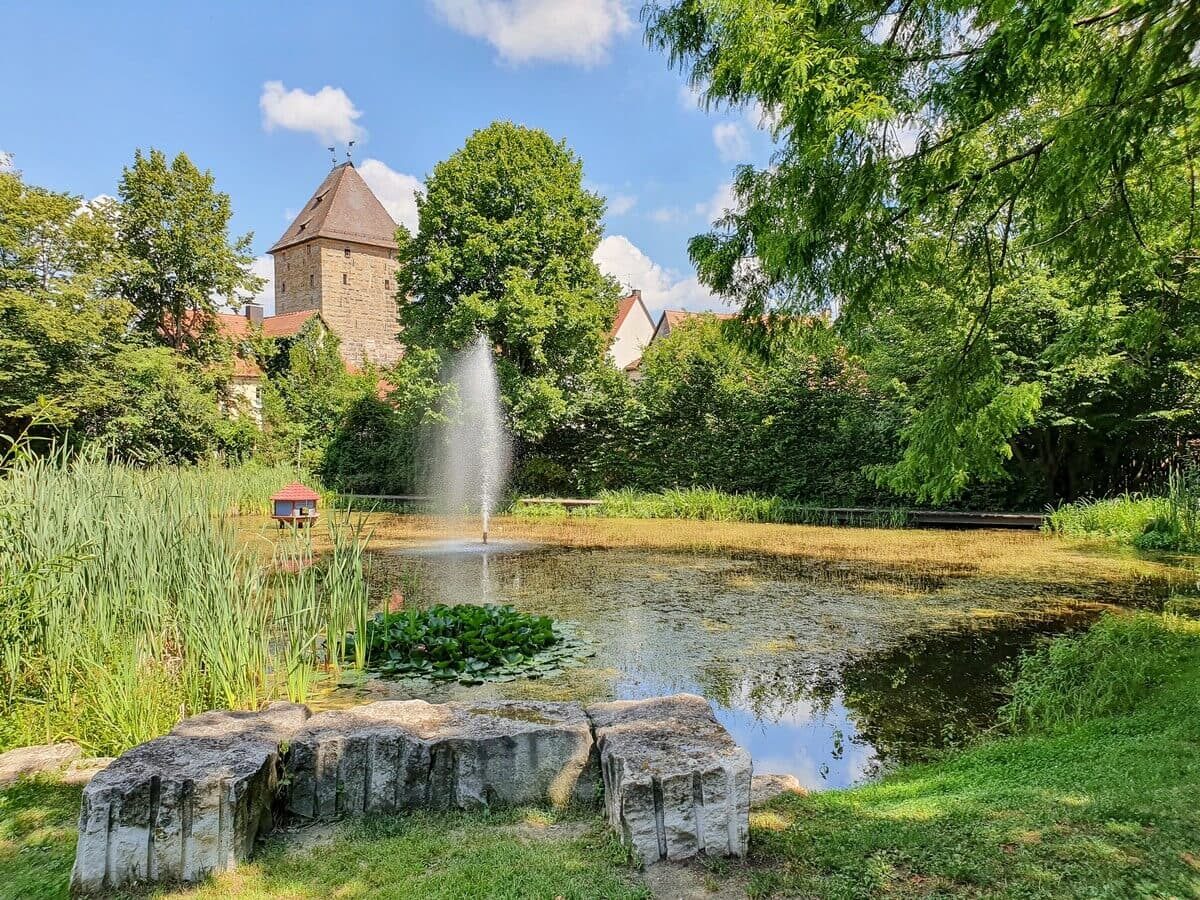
1111	809
507	854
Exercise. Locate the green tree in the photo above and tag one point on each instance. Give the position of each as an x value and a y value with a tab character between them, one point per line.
67	357
152	405
933	151
309	394
374	448
504	248
174	224
794	418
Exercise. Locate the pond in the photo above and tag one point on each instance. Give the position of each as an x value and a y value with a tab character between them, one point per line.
822	672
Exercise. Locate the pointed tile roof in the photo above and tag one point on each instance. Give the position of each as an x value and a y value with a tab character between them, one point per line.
342	208
296	491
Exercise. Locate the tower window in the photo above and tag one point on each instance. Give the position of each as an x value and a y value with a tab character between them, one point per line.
345	278
387	284
310	280
346	252
283	287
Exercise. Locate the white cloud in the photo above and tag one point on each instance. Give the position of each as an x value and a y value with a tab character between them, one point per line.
661	288
572	31
264	267
731	141
619	204
329	113
716	206
395	190
665	215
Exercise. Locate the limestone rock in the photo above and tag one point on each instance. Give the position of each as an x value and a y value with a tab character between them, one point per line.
25	761
400	754
765	788
675	783
84	769
185	804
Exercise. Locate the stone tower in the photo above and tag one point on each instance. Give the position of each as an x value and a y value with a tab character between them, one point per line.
338	258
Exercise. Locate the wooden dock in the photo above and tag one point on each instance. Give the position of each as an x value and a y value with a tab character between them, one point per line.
942	518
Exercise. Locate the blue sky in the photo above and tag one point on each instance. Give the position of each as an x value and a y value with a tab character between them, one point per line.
257	91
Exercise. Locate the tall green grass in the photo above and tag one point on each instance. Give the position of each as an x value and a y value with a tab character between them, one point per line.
708	504
1170	521
127	601
1106	671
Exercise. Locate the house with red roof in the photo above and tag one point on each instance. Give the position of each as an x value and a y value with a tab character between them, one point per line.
673	318
632	331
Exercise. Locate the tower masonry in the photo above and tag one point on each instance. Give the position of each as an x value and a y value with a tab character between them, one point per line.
339	258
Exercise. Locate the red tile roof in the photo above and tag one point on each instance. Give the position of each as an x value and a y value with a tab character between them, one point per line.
296	491
246	368
286	325
234	325
675	316
342	208
624	305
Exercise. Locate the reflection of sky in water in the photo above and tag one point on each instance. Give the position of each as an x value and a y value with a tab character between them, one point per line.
813	675
814	742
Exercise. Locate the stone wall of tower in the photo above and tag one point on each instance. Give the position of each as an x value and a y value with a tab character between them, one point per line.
353	286
358	300
297	279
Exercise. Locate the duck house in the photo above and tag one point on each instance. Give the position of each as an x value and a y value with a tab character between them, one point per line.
295	505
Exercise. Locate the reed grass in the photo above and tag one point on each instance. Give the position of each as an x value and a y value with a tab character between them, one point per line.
1167	521
128	599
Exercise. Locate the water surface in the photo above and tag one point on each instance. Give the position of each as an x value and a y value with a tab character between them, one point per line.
826	676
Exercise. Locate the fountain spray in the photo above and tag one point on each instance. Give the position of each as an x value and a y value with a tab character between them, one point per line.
473	459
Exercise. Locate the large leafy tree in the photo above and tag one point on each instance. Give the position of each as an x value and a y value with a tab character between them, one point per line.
174	224
69	365
931	154
504	248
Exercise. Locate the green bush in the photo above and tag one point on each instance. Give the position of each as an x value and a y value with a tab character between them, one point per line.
1123	518
1107	670
712	505
467	643
1167	522
799	422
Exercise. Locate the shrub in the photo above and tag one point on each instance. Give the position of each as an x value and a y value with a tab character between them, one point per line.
1122	518
1167	522
1107	670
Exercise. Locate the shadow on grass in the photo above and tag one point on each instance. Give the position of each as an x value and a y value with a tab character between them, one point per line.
37	839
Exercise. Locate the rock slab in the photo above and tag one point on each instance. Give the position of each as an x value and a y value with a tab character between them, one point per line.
184	805
403	754
675	783
35	760
765	788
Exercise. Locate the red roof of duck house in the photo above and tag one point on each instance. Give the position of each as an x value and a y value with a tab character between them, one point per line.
297	491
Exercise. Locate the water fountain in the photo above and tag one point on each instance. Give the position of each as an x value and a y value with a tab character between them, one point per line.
474	449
